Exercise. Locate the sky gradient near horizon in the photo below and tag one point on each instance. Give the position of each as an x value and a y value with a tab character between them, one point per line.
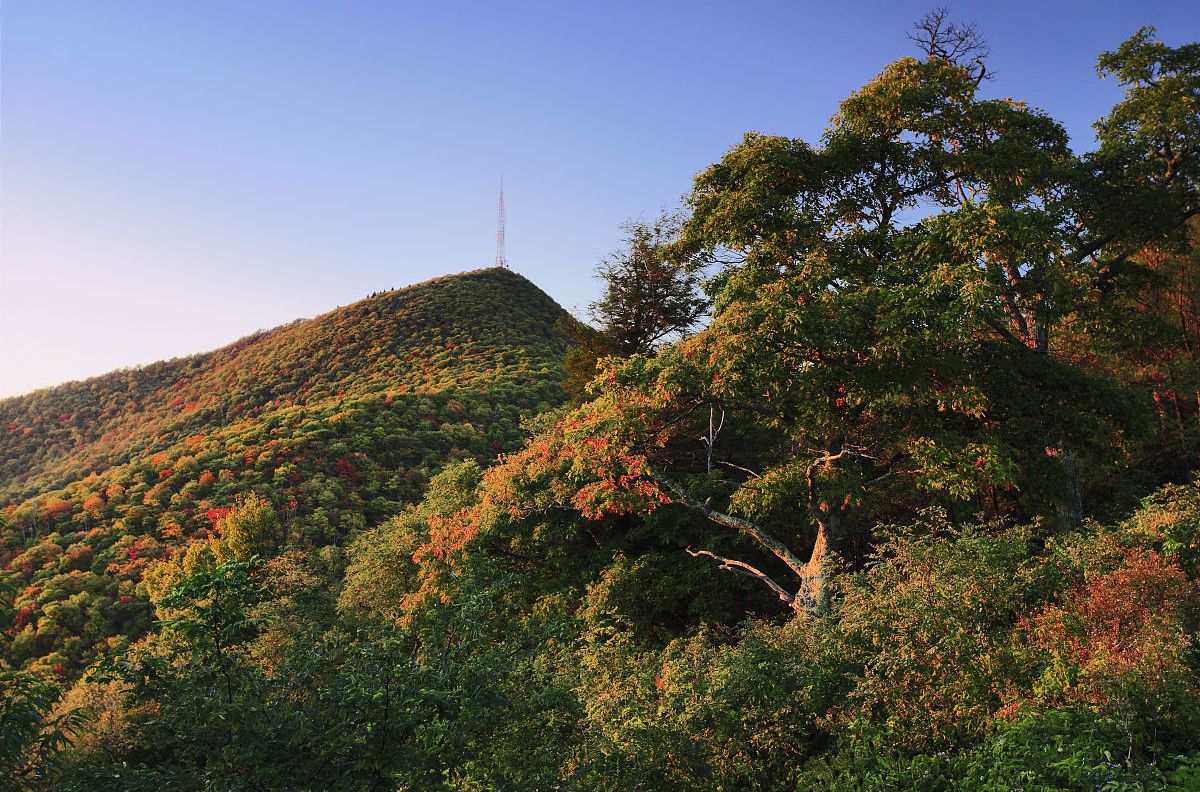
175	175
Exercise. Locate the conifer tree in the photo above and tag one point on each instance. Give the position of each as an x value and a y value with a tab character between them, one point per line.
651	295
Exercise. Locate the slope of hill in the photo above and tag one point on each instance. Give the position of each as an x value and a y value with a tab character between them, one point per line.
338	420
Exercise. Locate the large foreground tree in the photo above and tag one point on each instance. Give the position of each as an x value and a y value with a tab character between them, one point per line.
885	330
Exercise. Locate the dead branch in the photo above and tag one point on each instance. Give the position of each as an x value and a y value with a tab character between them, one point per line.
742	568
941	39
745	470
777	548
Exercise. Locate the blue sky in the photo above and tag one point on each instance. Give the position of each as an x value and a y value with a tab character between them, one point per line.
175	175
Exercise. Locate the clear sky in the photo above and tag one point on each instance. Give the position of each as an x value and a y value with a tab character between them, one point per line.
175	175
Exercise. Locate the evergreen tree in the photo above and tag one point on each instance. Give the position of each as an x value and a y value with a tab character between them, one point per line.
651	295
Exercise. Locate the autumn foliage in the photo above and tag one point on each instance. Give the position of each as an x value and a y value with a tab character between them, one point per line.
912	510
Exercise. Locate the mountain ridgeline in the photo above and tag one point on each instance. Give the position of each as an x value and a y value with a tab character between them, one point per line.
337	420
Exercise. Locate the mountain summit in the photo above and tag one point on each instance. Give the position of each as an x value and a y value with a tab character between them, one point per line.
483	330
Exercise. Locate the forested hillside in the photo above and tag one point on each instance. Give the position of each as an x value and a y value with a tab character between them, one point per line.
915	507
338	420
484	330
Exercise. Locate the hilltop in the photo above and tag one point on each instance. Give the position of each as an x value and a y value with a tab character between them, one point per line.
338	420
484	328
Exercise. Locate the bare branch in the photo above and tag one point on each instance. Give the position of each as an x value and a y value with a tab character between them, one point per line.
889	469
711	438
747	471
941	39
742	568
777	548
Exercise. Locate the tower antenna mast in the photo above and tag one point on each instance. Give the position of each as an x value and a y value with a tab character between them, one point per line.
501	261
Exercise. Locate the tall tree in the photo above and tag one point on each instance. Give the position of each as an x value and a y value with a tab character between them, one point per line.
651	295
886	337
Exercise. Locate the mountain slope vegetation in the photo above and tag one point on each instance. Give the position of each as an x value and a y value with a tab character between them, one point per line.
394	344
337	420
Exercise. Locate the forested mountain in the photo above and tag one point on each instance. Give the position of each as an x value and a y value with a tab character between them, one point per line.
915	508
339	420
489	330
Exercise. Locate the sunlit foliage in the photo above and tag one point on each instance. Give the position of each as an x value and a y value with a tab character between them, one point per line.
897	518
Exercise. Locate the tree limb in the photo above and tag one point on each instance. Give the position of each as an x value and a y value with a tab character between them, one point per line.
777	548
742	568
739	467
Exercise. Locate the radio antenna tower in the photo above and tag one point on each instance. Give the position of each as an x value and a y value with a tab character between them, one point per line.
501	261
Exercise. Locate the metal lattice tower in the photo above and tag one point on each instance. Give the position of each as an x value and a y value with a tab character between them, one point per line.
501	261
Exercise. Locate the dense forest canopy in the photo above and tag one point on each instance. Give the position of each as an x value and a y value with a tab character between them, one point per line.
915	507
